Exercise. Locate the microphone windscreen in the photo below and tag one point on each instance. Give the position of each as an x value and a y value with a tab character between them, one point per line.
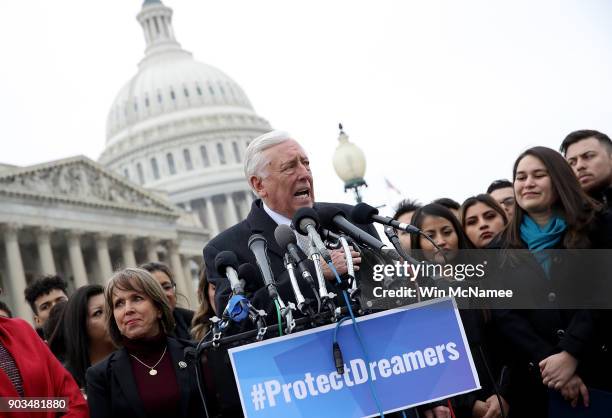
284	236
362	213
252	279
303	217
326	215
225	259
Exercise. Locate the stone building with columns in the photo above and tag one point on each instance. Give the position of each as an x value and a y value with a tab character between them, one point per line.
170	177
74	218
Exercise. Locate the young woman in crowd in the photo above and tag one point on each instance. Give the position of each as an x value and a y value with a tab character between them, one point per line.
86	338
149	376
206	296
53	331
442	226
482	219
182	317
556	349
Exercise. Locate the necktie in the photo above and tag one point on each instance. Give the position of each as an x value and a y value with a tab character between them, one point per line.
7	363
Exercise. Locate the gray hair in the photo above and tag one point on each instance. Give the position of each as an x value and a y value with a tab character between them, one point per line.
254	158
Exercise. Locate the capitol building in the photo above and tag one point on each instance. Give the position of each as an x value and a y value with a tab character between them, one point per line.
170	178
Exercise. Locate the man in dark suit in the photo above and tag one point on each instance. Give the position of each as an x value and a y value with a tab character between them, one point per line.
278	170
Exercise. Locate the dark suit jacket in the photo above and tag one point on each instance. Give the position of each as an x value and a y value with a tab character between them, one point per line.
236	239
112	390
182	318
548	328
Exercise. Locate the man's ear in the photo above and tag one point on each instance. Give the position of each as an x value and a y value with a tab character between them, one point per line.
257	185
37	320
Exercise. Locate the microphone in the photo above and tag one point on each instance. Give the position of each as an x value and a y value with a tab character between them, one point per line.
252	279
285	238
259	247
299	298
363	213
334	216
306	222
226	264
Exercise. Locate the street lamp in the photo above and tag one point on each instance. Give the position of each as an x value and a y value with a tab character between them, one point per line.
350	164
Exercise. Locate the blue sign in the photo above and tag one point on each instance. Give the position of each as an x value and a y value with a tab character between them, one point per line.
416	354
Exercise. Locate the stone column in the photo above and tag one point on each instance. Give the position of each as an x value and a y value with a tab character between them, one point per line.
151	246
231	208
104	261
16	273
43	241
185	261
213	224
76	258
127	251
182	286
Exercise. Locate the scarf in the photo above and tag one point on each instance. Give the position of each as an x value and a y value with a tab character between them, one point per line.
542	238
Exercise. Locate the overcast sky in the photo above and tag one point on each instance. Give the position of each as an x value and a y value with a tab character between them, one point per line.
440	95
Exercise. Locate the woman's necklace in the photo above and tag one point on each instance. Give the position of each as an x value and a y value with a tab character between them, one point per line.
152	370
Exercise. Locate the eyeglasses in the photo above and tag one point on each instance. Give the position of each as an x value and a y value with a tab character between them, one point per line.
509	201
169	286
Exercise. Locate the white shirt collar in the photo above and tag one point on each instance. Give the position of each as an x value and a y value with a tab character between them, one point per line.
276	217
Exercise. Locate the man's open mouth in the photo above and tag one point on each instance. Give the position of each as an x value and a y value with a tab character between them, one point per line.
302	193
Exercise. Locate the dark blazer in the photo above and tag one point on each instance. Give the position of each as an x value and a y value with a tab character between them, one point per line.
182	318
236	239
112	390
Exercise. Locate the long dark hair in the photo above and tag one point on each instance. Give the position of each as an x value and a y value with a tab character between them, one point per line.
53	330
487	200
200	323
75	331
573	204
481	198
435	209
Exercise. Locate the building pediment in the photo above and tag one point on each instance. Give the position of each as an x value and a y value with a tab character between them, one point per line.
81	181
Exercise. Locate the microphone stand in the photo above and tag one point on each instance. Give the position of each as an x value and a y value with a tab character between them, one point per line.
287	313
302	304
326	297
271	331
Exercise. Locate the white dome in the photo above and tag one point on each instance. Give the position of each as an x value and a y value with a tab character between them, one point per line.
182	127
174	83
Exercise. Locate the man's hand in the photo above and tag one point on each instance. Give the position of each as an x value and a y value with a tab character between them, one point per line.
339	261
573	389
558	369
493	407
438	412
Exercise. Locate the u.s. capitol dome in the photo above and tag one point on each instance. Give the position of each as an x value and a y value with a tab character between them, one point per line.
181	126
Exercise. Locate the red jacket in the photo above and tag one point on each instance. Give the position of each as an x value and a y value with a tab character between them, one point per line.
42	374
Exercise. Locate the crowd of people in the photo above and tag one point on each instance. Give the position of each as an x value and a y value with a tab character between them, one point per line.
122	350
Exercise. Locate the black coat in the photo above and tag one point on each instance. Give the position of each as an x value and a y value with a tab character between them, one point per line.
548	327
112	390
236	239
182	318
